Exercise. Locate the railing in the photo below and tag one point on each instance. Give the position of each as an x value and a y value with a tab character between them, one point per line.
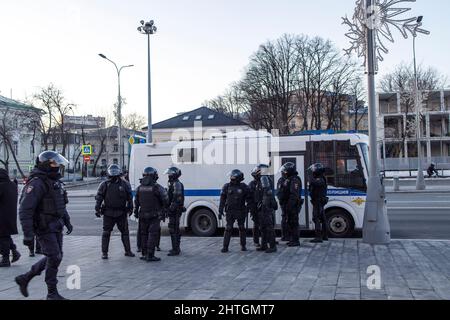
411	164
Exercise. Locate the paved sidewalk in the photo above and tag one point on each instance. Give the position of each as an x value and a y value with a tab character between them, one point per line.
410	269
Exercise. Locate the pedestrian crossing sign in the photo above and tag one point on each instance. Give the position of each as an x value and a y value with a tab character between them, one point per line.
86	150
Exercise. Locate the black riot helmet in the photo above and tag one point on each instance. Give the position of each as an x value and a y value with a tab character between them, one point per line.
151	172
260	170
114	171
288	169
317	169
236	176
266	183
173	172
50	161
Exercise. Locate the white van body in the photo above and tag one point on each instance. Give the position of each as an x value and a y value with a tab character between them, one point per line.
203	180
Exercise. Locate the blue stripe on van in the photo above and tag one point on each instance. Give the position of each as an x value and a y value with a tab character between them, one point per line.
216	193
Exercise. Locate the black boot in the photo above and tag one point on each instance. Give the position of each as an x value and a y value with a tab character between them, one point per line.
243	238
226	241
5	262
127	246
23	281
152	258
32	255
15	256
105	255
53	294
316	240
271	250
175	246
105	244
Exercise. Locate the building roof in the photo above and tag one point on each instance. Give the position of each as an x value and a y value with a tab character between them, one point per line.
209	118
9	103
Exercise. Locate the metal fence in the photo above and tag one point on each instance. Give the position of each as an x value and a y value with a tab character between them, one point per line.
411	164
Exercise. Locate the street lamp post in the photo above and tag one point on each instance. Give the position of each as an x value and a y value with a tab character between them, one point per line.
119	107
371	23
148	28
420	183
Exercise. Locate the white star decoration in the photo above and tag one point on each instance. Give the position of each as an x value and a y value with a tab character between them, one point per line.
381	18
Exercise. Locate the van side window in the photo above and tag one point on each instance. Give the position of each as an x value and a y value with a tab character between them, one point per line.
187	155
342	163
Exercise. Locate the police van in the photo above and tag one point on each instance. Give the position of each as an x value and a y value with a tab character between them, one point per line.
206	163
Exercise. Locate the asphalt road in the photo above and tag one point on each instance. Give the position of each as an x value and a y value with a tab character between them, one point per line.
411	215
419	216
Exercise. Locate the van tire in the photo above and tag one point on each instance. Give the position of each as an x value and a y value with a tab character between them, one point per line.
203	223
340	223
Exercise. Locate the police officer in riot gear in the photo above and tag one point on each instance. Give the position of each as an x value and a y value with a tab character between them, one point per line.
235	201
43	213
318	193
175	208
256	174
115	202
282	195
294	202
149	204
266	208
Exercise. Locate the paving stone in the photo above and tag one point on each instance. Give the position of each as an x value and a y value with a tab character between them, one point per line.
410	269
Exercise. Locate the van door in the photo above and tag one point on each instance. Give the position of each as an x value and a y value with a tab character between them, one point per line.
297	158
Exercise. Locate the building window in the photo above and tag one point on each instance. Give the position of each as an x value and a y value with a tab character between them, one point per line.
15	146
103	162
116	148
198	118
115	161
211	117
186	118
187	155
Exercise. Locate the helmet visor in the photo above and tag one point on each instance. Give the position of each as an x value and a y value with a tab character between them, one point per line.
59	160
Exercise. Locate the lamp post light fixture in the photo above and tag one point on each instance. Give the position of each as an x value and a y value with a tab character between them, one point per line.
119	108
420	182
148	28
370	26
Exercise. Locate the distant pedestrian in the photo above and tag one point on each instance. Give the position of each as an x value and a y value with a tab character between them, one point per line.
432	171
8	219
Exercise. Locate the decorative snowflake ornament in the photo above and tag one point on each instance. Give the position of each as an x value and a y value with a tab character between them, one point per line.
380	17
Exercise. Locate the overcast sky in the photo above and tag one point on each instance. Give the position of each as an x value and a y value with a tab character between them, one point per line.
200	48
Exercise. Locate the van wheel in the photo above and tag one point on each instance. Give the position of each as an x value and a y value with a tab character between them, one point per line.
340	223
203	223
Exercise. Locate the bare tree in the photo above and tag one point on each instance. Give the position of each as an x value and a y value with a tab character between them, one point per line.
52	126
270	83
357	107
402	79
134	121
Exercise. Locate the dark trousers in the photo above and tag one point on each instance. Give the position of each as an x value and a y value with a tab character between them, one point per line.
256	227
52	244
6	245
150	232
267	228
293	224
139	240
174	229
320	221
284	225
231	218
108	226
